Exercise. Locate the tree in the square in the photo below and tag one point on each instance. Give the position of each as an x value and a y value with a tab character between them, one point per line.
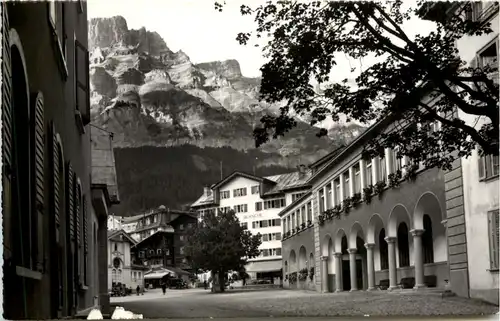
308	37
220	244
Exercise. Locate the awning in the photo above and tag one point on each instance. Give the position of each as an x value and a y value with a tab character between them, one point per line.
158	274
155	275
264	266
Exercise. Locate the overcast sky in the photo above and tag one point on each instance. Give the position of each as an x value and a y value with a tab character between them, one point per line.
203	33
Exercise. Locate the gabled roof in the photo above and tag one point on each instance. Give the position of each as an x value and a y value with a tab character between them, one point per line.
114	236
288	181
150	236
236	174
204	200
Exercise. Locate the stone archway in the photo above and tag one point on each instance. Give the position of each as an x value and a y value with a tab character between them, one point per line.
357	258
342	280
302	258
327	266
376	235
398	229
293	262
428	217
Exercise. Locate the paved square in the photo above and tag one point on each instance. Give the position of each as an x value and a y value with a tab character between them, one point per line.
196	303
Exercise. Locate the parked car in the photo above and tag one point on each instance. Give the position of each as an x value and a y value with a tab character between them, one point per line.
177	284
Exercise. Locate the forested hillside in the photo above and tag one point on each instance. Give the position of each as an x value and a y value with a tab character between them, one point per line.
152	176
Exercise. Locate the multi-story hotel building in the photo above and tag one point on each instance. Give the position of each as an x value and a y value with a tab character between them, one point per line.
257	202
54	202
389	223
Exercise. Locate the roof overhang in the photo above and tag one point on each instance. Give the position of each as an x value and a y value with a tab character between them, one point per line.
240	174
118	232
150	236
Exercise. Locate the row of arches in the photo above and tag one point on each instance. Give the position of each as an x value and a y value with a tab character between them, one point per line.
403	240
304	261
388	247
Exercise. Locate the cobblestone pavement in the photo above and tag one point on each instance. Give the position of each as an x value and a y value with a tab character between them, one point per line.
197	303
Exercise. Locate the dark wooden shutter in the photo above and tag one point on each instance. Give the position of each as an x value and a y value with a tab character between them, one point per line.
56	173
82	81
70	202
38	177
77	215
70	243
6	136
55	223
85	241
78	244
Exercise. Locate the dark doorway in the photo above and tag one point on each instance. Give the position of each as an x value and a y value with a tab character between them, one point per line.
403	245
346	275
384	251
427	241
359	274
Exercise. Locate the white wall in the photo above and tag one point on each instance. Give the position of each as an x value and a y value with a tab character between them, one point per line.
252	215
479	197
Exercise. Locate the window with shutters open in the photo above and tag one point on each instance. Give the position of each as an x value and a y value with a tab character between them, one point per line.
56	20
23	154
488	166
82	96
493	224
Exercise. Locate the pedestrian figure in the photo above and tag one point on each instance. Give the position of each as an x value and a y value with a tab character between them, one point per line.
138	289
205	285
164	288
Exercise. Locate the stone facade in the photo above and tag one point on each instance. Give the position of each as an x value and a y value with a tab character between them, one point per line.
397	237
50	220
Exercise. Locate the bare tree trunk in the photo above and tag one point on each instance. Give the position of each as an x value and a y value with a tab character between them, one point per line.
221	281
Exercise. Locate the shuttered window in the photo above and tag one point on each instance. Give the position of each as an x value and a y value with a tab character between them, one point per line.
488	166
7	139
85	241
38	178
56	201
78	225
22	227
71	237
493	224
82	81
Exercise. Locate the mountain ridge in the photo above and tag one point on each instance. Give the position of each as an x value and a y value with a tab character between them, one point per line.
148	95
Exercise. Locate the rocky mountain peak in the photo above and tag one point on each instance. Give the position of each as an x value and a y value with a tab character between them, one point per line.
107	32
113	32
229	69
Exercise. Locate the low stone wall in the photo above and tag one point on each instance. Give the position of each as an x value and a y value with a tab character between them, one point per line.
258	287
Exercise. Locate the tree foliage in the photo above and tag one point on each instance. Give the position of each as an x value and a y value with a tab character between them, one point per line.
220	244
307	39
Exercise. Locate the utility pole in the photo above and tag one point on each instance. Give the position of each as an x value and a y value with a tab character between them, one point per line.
221	170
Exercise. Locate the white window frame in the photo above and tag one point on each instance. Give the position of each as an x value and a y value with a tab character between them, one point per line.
357	179
346	183
486	167
368	173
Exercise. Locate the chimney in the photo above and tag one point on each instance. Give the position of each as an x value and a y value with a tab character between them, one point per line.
207	191
302	170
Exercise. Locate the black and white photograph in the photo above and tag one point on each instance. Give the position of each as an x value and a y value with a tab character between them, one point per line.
249	159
